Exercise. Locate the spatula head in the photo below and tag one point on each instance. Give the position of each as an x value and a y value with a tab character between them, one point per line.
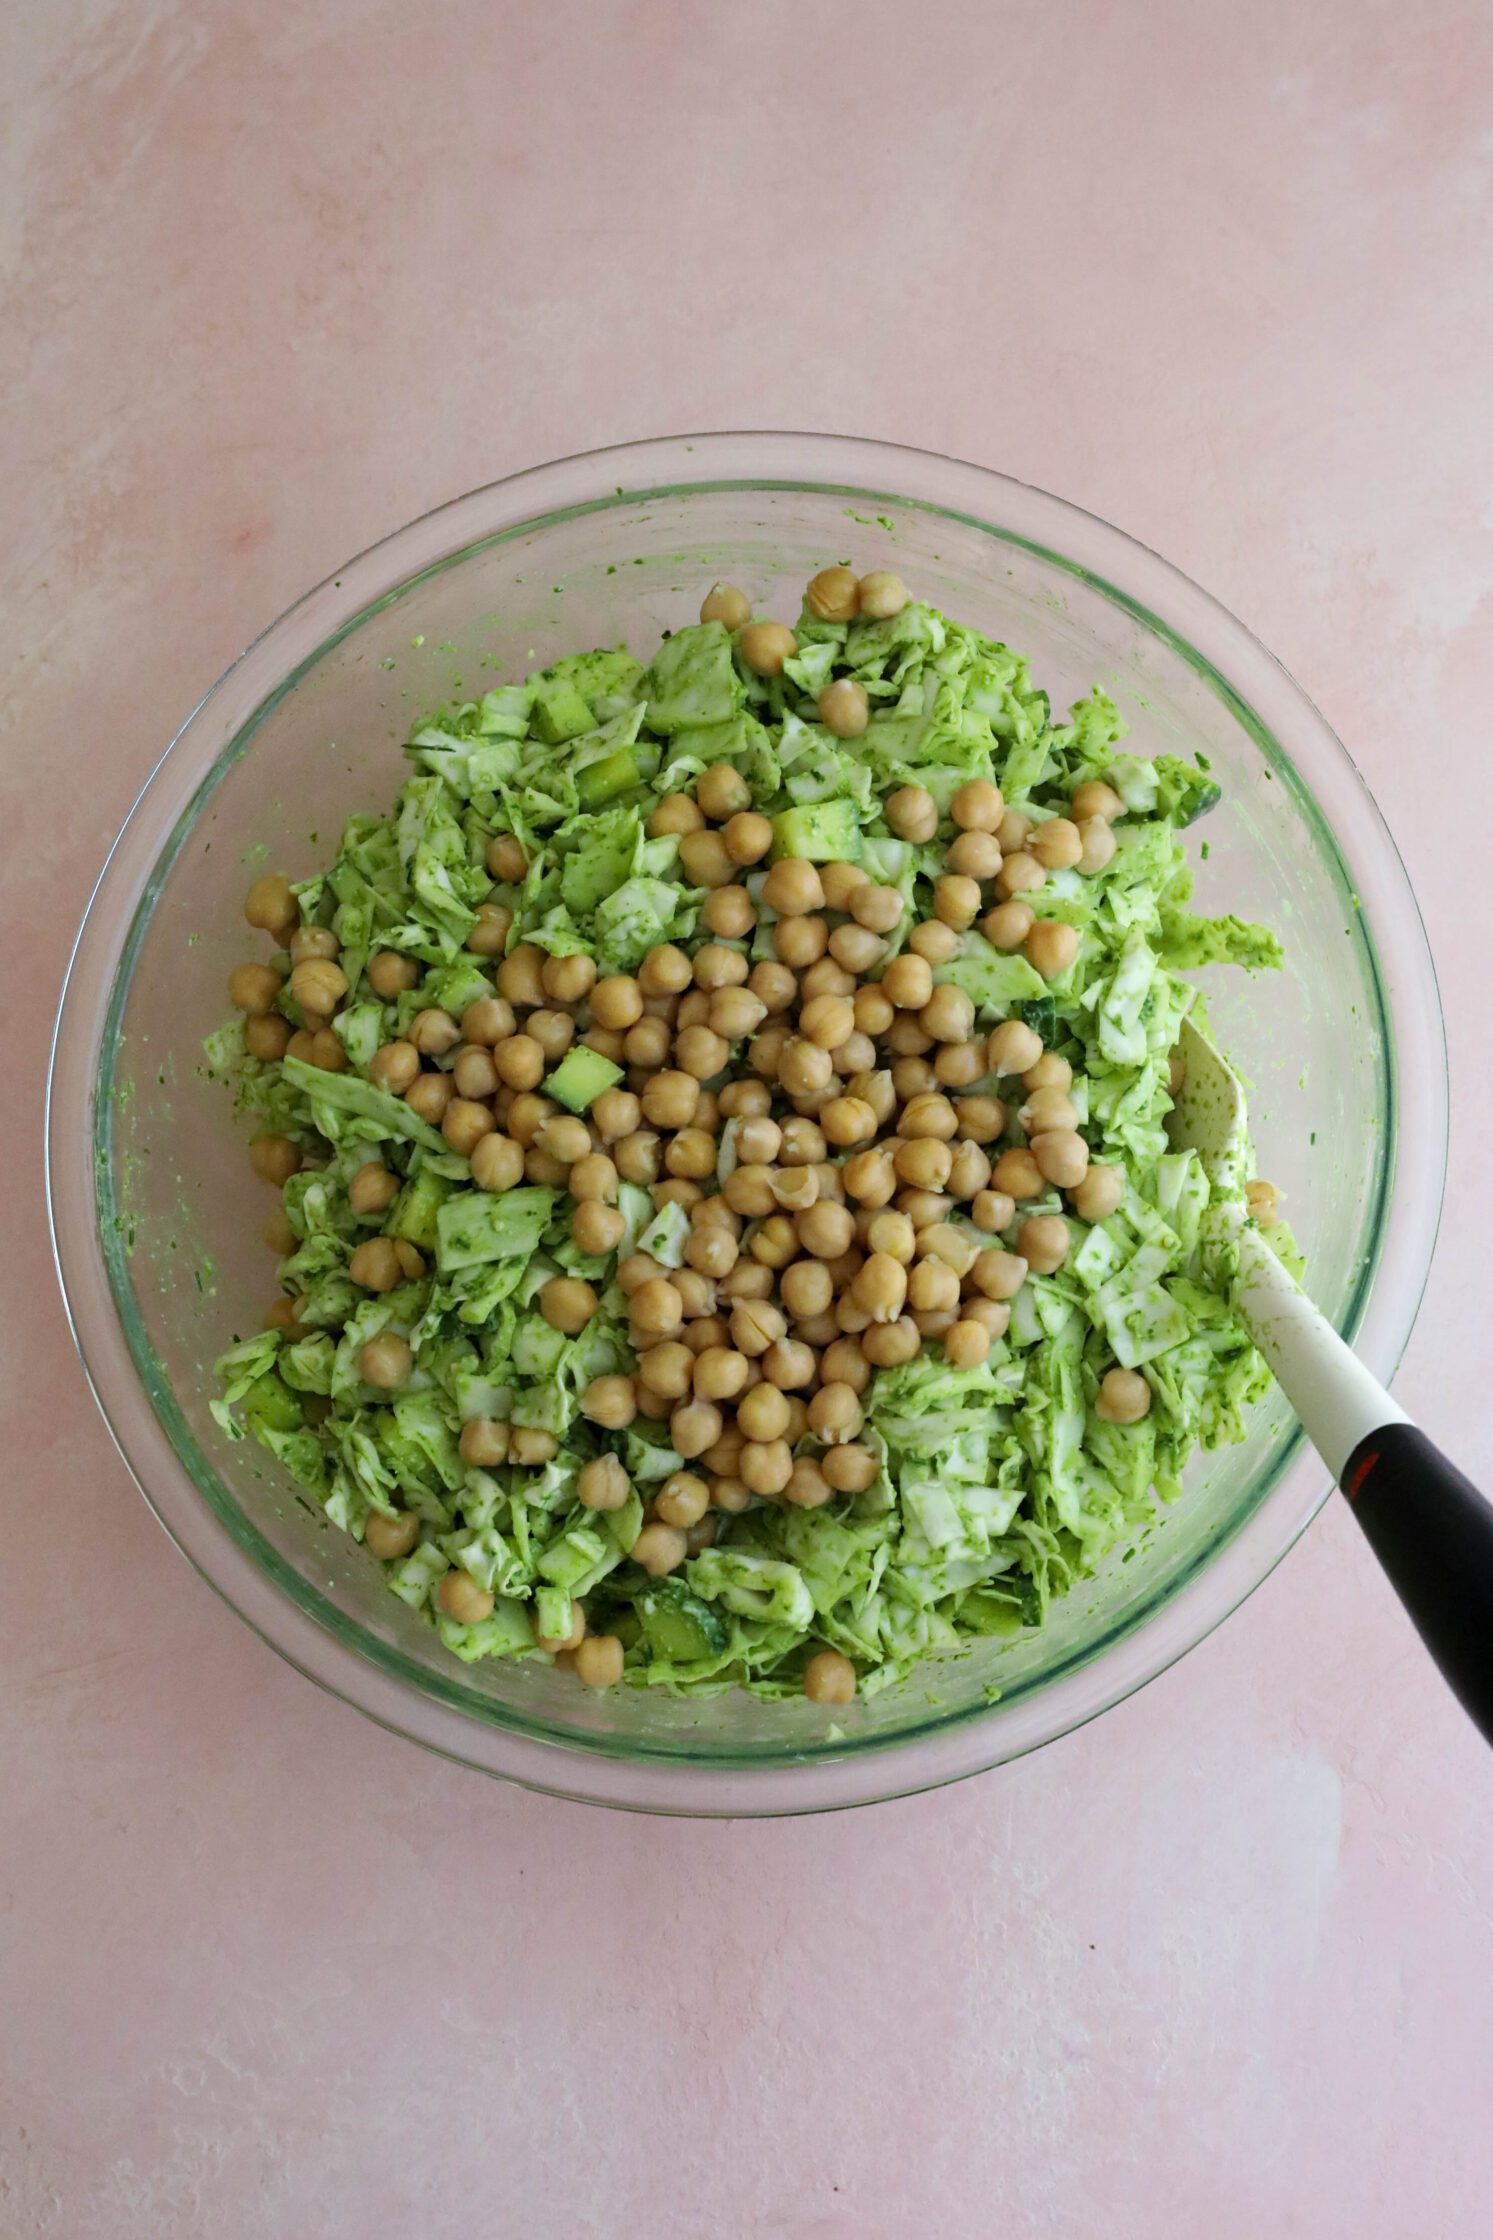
1210	1116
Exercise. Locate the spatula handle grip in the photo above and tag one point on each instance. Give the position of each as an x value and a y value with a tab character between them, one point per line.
1433	1532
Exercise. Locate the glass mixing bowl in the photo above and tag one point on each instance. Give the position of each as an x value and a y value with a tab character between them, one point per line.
156	1218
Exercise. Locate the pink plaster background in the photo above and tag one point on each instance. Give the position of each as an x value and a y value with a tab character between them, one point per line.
278	276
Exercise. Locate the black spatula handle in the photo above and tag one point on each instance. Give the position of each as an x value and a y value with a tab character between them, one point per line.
1433	1532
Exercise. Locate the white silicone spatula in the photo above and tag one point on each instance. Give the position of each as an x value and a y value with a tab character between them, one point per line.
1428	1525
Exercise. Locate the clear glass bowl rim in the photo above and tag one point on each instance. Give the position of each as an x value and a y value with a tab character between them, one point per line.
325	1645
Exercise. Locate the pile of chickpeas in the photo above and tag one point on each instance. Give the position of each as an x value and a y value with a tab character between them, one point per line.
819	1116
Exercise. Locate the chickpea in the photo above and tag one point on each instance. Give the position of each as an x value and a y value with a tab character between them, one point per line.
597	1228
646	1046
1014	831
521	976
804	1068
795	1188
882	595
934	941
1123	1397
712	1252
1095	799
599	1661
389	1538
530	1447
1100	1193
890	1234
270	905
1062	1157
1051	947
833	595
765	646
924	1208
1007	925
567	1303
827	1021
701	1053
668	1369
1057	844
506	860
1013	1047
977	806
766	1465
489	934
888	1345
848	1120
835	1410
762	1413
519	1061
659	1549
554	1031
974	855
278	1234
956	900
942	1240
793	888
474	1073
855	950
327	1051
756	1325
933	1287
880	1287
775	1242
844	708
483	1443
800	942
908	982
696	1291
318	986
691	1155
923	1162
826	1230
914	1077
310	944
980	1119
1045	1109
386	1362
1019	874
464	1123
775	987
912	814
568	979
609	1401
827	977
542	1170
748	1191
1049	1072
844	1362
966	1344
253	988
871	1176
604	1484
928	1114
1018	1175
694	1426
670	1099
461	1599
274	1159
998	1275
390	974
731	913
592	1176
957	1064
706	860
1042	1241
267	1036
395	1067
947	1015
876	1090
374	1265
497	1162
682	1499
675	815
1097	846
993	1211
720	1373
724	604
758	1141
850	1468
1263	1200
655	1302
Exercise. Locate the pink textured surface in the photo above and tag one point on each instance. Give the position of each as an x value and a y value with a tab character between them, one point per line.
277	278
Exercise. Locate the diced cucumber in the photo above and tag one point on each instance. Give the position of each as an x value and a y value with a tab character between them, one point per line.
819	832
580	1077
598	781
416	1208
560	712
677	1625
